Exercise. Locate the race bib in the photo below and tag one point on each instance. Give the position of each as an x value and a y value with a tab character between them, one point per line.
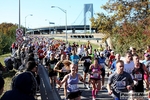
52	66
95	75
103	65
73	87
95	70
75	61
149	69
149	79
41	54
64	69
88	60
138	76
121	84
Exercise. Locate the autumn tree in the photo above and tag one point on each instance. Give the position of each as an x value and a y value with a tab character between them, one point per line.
127	23
7	36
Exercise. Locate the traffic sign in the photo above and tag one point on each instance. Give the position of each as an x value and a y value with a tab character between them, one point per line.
19	32
19	36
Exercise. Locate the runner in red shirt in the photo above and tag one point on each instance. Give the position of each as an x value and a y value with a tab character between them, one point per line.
111	59
40	53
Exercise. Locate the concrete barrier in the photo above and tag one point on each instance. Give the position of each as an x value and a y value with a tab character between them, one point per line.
81	36
45	88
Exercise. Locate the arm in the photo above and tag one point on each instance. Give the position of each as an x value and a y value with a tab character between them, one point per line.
90	70
109	89
81	79
109	84
63	81
145	69
56	68
131	84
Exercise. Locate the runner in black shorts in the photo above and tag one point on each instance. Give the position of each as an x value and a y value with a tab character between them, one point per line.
87	62
52	74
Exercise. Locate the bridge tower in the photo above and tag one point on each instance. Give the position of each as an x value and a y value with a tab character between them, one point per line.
87	7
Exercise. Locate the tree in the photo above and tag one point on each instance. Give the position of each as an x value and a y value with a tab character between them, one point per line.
7	36
127	23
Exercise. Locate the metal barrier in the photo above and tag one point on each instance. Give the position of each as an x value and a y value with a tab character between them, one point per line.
45	88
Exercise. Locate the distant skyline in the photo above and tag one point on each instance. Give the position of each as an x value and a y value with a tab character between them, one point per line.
41	10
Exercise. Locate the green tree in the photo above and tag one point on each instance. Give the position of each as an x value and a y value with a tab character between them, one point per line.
7	36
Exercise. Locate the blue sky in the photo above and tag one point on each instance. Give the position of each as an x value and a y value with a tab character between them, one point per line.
41	10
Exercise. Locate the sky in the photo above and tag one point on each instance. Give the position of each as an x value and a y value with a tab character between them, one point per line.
41	10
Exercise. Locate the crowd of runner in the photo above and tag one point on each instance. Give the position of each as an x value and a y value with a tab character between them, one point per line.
62	61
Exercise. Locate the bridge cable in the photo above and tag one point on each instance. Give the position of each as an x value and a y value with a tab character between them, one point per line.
78	16
85	15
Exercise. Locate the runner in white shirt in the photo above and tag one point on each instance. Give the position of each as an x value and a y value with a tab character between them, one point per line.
80	51
128	63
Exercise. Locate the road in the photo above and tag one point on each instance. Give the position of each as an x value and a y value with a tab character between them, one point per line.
87	94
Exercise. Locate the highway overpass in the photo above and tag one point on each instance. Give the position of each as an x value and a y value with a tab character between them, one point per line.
59	29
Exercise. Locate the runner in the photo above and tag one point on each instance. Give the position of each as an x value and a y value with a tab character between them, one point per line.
86	62
102	62
74	58
62	68
113	66
95	72
111	59
72	80
50	65
119	81
138	74
40	53
145	62
128	63
80	51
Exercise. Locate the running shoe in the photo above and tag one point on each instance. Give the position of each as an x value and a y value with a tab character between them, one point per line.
93	98
84	85
65	98
88	87
103	87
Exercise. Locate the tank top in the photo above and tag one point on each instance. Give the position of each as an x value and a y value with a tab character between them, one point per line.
72	83
62	74
95	71
138	73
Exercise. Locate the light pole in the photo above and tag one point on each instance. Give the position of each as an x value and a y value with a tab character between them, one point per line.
25	21
65	11
19	16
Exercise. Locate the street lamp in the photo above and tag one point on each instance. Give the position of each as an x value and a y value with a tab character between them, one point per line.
25	21
19	16
65	11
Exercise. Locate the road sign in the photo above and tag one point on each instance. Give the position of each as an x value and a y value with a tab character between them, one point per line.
19	36
19	32
19	40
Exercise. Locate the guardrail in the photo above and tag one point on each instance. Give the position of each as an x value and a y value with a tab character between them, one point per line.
45	88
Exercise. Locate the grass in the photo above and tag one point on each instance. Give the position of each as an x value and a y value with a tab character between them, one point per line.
7	75
2	57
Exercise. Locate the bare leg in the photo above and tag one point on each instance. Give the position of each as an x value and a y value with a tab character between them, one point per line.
65	89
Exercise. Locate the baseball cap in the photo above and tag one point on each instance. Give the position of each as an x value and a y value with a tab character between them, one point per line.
112	51
146	55
101	53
